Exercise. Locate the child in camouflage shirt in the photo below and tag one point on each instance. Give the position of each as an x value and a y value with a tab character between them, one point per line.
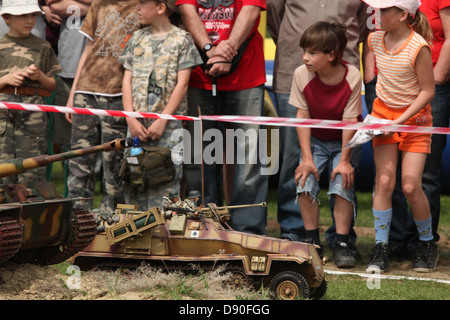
157	61
107	27
27	69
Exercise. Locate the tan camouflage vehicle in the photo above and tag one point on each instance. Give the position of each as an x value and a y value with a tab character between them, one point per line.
189	240
36	224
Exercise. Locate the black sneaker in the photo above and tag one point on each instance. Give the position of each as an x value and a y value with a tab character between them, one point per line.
345	255
319	250
426	256
379	259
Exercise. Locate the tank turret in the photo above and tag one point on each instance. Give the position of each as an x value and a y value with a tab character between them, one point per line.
37	225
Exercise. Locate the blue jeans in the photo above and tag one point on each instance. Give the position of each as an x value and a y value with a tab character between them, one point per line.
431	179
289	217
326	156
249	186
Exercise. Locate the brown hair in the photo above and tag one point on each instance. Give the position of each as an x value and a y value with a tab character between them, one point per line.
326	37
170	5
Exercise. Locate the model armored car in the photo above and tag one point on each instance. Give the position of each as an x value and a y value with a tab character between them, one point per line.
203	237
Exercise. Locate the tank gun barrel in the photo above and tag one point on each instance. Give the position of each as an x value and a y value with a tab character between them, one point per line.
17	166
262	204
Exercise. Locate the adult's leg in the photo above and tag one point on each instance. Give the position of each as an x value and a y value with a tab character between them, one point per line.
288	213
431	179
250	185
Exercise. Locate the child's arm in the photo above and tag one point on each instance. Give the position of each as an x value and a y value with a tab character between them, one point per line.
307	165
424	70
344	167
156	130
34	73
86	52
137	129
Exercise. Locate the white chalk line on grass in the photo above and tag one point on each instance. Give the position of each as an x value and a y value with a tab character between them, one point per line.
383	276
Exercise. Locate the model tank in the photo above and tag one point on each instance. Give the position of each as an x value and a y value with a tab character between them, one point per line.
36	224
179	238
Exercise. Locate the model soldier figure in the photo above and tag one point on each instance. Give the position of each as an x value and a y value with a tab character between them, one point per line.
192	200
173	200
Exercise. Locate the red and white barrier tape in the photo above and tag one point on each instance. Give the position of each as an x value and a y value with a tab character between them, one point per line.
85	111
270	121
326	124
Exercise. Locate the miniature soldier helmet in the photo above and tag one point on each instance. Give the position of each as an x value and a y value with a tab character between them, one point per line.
173	194
194	194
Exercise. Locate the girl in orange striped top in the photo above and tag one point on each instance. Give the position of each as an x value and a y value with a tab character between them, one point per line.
404	89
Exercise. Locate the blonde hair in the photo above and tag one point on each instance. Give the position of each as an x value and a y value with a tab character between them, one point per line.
421	25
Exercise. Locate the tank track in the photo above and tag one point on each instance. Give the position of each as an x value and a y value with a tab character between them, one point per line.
11	238
85	229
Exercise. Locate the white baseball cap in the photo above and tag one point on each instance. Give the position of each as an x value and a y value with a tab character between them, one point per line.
409	6
19	7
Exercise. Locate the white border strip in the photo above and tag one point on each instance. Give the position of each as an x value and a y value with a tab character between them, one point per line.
381	276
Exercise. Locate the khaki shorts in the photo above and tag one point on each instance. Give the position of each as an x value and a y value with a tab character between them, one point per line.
407	141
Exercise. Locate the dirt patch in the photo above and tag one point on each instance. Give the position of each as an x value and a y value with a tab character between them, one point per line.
32	282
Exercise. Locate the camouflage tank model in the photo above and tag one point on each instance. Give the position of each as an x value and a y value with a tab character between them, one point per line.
36	224
181	239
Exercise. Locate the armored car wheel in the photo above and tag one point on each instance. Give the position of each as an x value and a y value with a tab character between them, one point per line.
289	285
319	292
238	279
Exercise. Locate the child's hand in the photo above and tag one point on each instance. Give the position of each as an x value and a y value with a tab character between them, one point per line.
303	170
137	129
34	73
347	172
389	133
16	78
156	129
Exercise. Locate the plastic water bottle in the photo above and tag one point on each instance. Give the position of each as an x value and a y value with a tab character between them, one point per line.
136	149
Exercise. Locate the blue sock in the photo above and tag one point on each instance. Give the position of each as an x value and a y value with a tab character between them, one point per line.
424	229
382	224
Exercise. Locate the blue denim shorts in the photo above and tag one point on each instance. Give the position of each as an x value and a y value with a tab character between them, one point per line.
326	155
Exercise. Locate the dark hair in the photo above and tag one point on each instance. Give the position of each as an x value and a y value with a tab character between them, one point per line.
325	37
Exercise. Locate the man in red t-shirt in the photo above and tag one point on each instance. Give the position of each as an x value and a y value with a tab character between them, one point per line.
225	31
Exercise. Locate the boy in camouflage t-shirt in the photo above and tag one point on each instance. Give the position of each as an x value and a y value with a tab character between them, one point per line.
27	69
158	61
98	85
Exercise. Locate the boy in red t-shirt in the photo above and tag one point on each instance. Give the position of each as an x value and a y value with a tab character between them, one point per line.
326	87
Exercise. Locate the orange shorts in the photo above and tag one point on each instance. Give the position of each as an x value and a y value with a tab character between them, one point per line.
407	141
